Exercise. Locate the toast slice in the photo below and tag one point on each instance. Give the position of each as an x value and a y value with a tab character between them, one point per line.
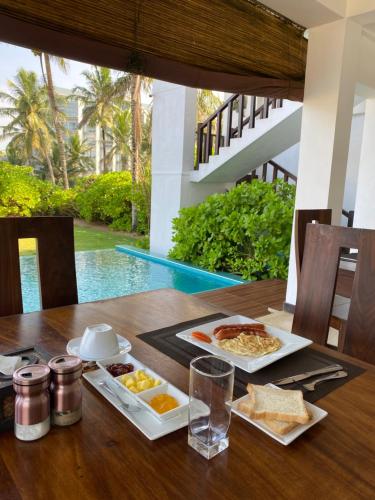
277	426
277	404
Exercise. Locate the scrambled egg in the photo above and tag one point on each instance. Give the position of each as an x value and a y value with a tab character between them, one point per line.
250	345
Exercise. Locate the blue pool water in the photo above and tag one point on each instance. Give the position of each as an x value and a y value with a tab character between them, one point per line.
103	274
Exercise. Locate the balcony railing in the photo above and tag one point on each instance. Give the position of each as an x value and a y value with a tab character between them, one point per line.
211	137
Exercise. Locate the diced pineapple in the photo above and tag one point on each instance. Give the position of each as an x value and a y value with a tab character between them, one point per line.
157	382
129	382
144	385
139	375
133	388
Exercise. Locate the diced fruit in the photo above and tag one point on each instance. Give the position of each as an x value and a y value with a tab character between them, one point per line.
129	383
139	381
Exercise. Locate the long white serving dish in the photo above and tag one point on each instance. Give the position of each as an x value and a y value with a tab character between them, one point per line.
144	397
317	414
144	420
290	343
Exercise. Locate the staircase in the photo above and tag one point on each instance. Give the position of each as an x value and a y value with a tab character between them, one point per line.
243	133
270	175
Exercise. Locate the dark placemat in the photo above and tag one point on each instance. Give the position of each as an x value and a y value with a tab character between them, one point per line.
308	359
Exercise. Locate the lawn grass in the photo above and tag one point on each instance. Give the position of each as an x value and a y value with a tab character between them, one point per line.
86	238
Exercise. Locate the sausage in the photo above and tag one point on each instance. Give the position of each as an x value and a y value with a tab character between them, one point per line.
231	333
245	326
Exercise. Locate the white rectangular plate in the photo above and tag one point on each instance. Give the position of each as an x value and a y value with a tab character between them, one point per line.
290	343
143	419
317	415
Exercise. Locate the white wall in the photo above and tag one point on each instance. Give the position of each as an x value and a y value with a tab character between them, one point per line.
289	160
173	137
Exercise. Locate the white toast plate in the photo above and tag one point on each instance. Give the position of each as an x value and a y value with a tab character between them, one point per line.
150	426
317	414
74	345
290	343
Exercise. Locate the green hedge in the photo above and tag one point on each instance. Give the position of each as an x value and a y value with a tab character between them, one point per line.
107	198
20	192
23	194
245	231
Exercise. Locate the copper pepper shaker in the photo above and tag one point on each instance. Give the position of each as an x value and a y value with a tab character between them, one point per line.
32	406
66	392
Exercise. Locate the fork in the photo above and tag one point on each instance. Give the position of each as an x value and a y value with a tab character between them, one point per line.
311	385
126	406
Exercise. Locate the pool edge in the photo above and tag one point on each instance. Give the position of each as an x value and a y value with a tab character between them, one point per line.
231	279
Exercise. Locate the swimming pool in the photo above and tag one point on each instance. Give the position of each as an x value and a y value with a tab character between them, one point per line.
104	274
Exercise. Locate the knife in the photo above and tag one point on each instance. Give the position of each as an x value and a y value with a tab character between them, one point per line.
303	376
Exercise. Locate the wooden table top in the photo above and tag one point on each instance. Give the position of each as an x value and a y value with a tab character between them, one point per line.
104	456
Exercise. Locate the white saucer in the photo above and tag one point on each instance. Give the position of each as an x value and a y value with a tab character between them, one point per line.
73	346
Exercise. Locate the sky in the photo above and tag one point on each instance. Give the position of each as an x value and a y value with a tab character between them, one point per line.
12	58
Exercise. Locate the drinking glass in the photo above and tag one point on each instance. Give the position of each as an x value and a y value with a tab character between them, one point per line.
211	388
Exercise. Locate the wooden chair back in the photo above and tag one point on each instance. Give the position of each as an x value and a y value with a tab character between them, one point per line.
316	290
302	218
55	256
321	216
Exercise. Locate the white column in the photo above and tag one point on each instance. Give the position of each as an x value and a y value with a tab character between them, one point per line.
331	75
173	138
364	211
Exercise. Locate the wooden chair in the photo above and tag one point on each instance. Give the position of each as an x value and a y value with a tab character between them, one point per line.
316	289
321	216
302	218
55	253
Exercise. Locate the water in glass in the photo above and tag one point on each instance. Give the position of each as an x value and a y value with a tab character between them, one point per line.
211	388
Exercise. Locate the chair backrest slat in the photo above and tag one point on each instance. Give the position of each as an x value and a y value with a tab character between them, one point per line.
317	284
56	262
302	218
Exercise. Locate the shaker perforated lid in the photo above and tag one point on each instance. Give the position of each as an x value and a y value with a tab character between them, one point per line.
65	364
31	374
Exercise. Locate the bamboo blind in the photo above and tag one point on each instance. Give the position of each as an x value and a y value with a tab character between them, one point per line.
231	45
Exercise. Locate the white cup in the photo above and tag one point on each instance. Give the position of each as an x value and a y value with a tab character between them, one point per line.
98	341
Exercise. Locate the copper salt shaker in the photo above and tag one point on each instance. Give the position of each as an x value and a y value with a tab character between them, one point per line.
32	406
66	392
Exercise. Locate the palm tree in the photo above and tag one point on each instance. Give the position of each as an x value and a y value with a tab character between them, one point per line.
137	83
120	135
28	110
98	98
78	157
57	116
207	103
78	154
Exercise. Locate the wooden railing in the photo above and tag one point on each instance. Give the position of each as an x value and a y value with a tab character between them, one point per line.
349	214
276	171
211	137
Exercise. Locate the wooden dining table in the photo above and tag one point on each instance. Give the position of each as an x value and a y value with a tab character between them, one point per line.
105	457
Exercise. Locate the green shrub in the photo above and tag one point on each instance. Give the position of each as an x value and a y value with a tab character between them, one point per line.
63	202
143	243
107	199
246	231
20	191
